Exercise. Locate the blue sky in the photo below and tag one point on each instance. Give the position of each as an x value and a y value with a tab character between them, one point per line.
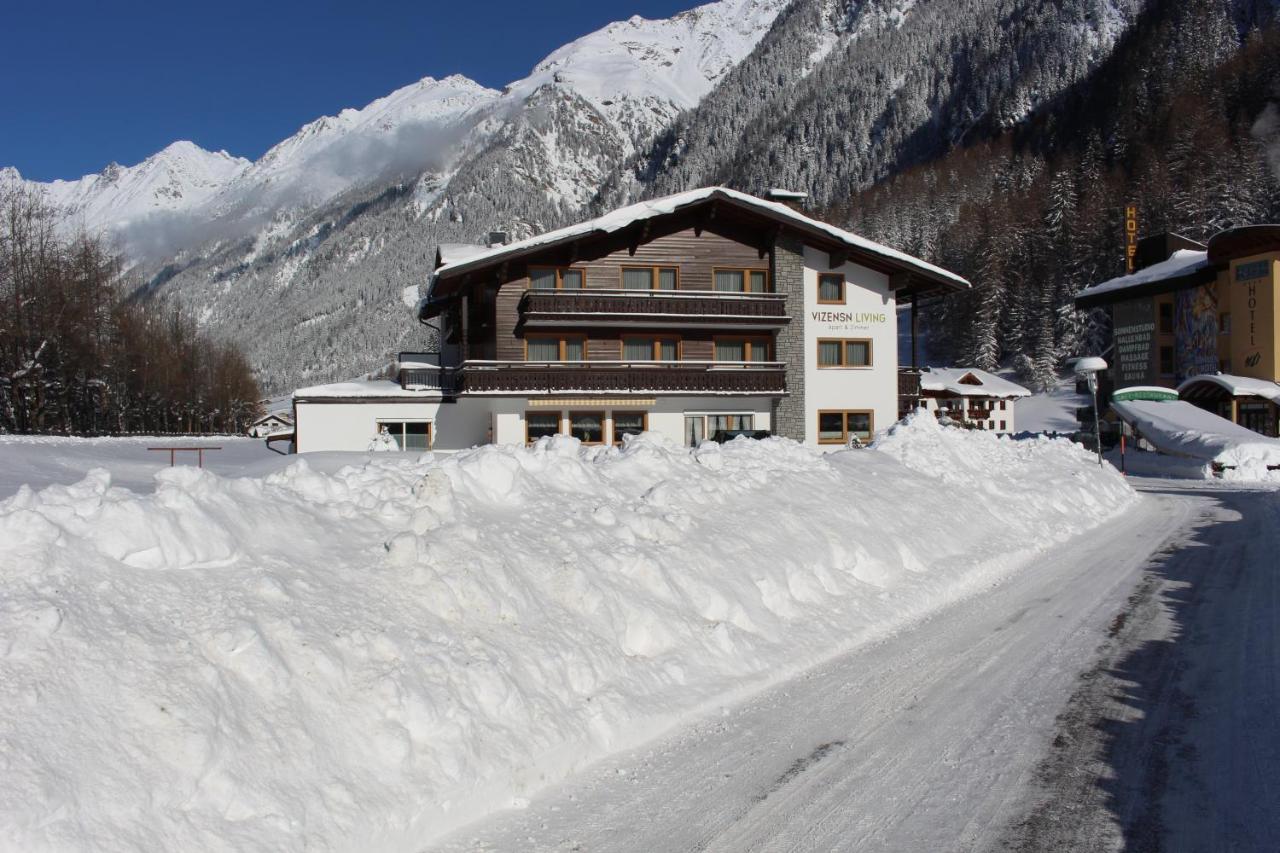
85	83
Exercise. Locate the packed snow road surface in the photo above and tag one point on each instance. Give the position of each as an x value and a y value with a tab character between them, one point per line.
1172	740
928	740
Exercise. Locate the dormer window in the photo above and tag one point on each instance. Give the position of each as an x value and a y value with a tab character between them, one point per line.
556	278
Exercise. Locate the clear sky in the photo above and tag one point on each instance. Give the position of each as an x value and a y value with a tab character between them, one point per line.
84	83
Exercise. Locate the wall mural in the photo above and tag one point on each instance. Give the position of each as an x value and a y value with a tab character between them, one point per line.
1196	333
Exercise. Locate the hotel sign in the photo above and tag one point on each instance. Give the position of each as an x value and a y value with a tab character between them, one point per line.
837	321
1130	238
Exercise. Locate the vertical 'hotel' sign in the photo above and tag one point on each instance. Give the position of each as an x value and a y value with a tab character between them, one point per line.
1130	238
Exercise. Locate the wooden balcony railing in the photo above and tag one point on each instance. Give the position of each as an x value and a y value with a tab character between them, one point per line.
599	377
908	382
557	307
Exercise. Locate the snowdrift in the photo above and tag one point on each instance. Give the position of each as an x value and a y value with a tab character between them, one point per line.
369	658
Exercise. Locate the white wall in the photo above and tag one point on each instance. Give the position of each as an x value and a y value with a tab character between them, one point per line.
869	311
666	414
353	425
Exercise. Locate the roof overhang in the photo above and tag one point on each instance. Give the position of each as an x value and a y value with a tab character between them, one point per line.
1202	276
715	209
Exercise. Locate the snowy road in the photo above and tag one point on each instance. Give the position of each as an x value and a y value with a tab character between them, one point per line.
936	739
1172	740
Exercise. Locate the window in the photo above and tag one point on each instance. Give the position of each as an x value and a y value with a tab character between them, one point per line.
650	348
409	435
1002	408
561	348
839	427
843	352
538	424
1224	323
1166	360
587	427
1002	426
743	349
741	281
556	278
650	278
1166	318
698	427
830	289
628	423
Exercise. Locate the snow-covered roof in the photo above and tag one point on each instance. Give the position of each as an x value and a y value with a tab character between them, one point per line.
1180	428
452	253
285	417
361	388
624	217
969	382
1180	263
1239	386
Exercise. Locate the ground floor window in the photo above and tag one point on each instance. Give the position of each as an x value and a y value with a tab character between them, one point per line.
628	423
587	427
539	424
408	435
839	427
698	427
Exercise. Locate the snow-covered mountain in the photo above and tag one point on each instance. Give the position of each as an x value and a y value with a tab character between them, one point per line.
180	177
627	81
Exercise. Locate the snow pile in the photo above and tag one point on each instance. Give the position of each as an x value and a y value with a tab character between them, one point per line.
1182	429
366	659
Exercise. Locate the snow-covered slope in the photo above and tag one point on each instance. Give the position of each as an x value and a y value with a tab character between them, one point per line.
640	73
362	657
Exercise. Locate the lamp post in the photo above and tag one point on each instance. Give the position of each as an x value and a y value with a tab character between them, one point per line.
1089	367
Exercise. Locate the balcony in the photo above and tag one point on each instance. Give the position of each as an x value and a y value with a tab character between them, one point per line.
617	377
652	308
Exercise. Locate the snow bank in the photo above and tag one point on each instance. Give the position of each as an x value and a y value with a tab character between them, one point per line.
366	659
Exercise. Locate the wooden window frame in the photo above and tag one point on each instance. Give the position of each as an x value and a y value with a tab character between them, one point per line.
606	426
613	430
678	340
844	354
560	271
653	270
559	424
431	430
838	301
746	279
844	421
562	338
749	342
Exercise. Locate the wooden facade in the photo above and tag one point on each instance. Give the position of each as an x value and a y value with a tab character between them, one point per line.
695	256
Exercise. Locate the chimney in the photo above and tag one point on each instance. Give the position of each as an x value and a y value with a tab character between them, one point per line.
497	238
791	198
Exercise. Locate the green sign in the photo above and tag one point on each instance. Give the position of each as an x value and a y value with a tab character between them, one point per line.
1158	395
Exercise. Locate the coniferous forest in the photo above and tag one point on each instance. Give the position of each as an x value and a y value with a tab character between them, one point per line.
78	358
1180	121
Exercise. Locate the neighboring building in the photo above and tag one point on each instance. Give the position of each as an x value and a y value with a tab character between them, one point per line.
270	424
971	397
1202	319
705	312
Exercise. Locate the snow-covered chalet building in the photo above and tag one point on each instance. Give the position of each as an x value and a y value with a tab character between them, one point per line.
705	313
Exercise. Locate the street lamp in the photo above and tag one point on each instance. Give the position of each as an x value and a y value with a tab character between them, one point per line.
1089	367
